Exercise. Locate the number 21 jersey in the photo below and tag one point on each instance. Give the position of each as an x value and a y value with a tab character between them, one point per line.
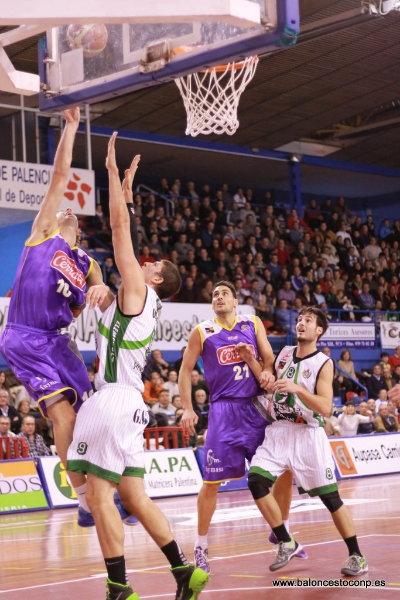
226	374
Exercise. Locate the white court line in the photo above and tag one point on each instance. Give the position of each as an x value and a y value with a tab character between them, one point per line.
44	585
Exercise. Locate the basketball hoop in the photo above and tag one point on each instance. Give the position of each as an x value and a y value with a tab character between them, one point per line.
211	97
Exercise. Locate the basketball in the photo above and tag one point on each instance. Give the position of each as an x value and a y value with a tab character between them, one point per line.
92	38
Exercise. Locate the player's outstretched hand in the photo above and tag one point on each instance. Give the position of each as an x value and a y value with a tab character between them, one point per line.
96	295
189	420
128	180
72	115
111	162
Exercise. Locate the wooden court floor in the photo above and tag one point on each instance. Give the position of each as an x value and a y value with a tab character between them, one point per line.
45	555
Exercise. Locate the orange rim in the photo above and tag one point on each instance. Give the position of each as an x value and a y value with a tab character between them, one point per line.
230	66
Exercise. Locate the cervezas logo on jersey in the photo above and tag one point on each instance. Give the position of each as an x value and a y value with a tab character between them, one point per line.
227	355
67	266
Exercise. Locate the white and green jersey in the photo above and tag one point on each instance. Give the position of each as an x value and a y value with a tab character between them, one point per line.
305	372
124	342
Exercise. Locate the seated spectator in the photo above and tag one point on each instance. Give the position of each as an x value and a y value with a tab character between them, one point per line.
283	315
318	295
206	292
197	384
287	293
3	385
396	374
14	387
349	420
388	380
172	383
331	425
201	407
365	428
347	365
36	444
371	403
5	431
152	388
375	383
365	299
188	293
9	411
394	359
155	362
384	423
176	401
164	407
24	409
297	280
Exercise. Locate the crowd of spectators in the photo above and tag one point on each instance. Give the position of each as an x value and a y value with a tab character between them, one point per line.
278	260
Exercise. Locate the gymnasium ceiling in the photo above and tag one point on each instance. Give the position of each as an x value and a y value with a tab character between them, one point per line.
339	86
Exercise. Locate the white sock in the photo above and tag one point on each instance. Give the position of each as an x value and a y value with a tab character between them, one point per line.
81	493
201	541
286	524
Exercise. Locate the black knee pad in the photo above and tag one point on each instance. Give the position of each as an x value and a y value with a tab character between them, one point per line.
259	486
332	501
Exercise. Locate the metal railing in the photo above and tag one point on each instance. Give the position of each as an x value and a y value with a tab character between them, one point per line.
169	204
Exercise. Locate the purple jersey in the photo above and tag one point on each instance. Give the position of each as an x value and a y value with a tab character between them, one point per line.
227	375
51	278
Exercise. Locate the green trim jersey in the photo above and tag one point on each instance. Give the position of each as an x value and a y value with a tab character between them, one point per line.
305	372
124	342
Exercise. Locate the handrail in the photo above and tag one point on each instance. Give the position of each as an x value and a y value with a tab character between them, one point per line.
354	380
168	201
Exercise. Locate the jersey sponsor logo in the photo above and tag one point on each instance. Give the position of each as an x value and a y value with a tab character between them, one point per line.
209	329
306	373
67	267
232	337
244	327
227	355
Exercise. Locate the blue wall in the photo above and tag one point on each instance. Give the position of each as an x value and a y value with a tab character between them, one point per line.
12	240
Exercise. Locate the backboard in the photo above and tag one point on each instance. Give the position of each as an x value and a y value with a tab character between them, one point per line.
138	55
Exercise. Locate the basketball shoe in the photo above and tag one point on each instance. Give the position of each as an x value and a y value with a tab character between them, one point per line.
274	540
201	559
286	551
355	565
126	517
191	581
118	591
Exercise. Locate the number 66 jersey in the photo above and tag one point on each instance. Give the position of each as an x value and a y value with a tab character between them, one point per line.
227	375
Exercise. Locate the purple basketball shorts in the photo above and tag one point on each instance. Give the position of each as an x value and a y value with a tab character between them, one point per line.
235	430
48	364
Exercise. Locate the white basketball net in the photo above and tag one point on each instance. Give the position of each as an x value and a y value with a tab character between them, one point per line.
211	98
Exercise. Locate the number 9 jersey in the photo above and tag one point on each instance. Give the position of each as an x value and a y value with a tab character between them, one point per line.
226	373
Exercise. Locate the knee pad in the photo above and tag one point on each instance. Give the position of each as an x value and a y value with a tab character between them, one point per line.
259	486
332	501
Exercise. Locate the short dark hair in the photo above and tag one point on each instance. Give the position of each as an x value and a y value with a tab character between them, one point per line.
320	316
227	284
171	283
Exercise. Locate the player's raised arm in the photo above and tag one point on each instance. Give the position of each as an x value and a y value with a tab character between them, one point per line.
128	195
133	293
192	353
46	221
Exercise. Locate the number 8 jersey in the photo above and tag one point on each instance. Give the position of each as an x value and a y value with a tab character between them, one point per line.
227	375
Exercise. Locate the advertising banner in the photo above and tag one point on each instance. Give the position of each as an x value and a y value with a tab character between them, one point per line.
366	454
349	335
390	335
171	473
20	487
24	185
56	483
174	327
168	473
